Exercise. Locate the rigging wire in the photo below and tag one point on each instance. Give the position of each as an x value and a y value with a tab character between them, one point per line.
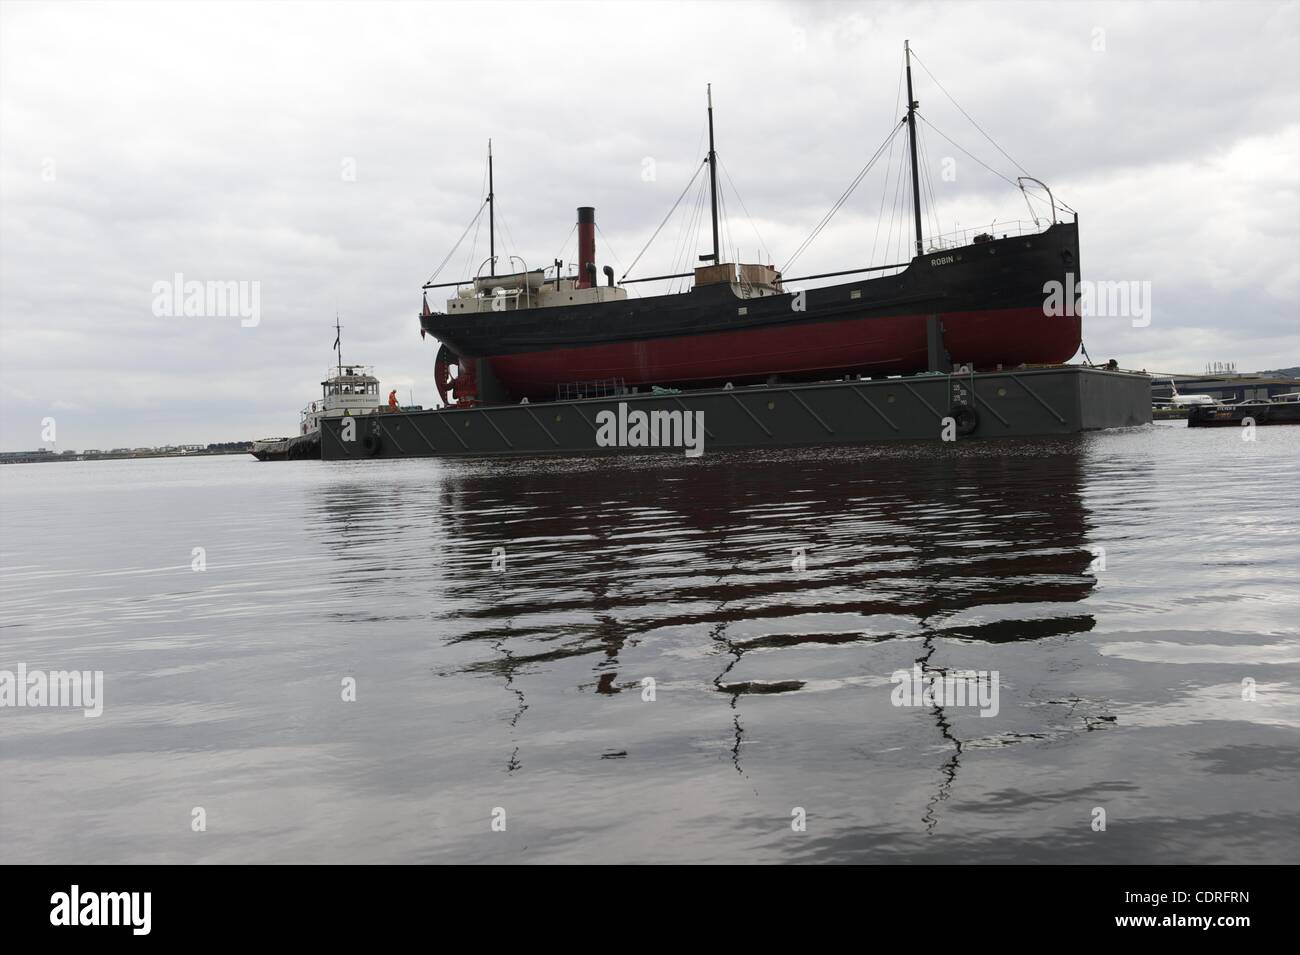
880	214
1006	179
691	240
842	199
889	248
490	202
665	222
726	230
609	247
691	234
692	249
473	249
684	230
767	252
932	209
891	169
968	115
897	214
1053	202
560	254
477	216
512	247
685	235
963	149
898	94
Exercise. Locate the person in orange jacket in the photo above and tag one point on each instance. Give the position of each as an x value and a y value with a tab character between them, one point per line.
392	400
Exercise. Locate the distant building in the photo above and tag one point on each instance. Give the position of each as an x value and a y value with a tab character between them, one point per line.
1225	388
18	457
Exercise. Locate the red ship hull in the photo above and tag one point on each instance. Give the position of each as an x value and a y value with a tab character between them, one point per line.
872	344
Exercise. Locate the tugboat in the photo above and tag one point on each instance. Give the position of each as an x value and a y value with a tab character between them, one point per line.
1283	409
348	390
528	335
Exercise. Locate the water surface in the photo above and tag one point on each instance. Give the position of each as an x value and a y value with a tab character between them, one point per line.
499	619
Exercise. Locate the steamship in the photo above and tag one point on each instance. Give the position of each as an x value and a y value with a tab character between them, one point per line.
531	334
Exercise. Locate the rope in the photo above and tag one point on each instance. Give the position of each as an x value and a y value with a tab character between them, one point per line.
691	237
933	208
963	149
472	254
513	247
665	222
968	116
767	252
443	265
842	199
896	212
601	232
563	245
880	214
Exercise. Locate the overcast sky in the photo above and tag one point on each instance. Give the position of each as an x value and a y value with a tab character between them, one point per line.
333	153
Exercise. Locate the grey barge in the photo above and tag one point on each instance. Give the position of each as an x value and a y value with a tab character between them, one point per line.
1013	403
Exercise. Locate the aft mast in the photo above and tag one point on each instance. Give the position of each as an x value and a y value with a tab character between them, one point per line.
713	181
911	136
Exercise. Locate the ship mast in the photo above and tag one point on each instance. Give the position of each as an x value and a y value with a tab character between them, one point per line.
492	215
713	180
338	341
911	135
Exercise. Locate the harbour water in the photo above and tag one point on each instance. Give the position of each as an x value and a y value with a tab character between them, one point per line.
655	659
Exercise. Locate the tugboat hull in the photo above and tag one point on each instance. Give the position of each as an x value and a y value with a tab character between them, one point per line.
298	448
1230	416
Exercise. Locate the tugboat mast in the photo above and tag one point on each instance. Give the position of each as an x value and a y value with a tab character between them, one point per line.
713	180
911	135
338	341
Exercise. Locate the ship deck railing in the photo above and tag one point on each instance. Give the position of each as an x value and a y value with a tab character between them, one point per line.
350	372
994	230
600	388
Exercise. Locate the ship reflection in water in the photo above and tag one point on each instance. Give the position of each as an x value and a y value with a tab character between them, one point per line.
656	659
751	611
766	557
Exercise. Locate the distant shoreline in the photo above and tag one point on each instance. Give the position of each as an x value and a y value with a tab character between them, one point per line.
52	457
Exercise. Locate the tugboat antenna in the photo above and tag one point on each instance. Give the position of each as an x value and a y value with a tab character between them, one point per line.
911	135
338	341
713	178
492	216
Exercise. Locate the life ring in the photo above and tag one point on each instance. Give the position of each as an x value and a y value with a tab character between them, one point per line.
966	419
371	444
